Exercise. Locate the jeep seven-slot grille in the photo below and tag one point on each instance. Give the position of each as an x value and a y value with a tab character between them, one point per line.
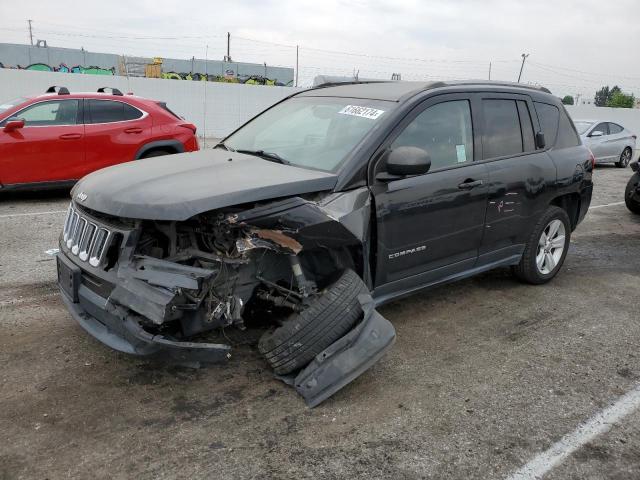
86	238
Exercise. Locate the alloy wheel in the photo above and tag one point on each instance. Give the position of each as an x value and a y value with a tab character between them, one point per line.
550	247
625	158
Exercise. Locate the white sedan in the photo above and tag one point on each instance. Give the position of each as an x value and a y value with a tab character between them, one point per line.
608	141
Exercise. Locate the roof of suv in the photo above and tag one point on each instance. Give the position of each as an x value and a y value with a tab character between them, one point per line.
396	91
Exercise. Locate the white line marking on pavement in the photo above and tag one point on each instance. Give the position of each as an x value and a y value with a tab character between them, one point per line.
606	205
51	212
601	423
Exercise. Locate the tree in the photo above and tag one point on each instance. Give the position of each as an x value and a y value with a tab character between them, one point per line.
621	100
567	100
604	95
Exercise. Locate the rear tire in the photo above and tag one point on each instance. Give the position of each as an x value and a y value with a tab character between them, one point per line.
625	158
631	196
155	153
546	248
304	335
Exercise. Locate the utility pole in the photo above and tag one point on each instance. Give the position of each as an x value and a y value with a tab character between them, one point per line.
297	58
489	70
524	57
228	57
30	32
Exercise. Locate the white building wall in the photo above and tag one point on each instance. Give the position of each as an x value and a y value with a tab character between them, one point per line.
226	107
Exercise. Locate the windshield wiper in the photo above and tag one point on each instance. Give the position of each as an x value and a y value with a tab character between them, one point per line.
273	157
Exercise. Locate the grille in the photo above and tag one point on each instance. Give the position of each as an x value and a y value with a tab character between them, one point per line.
86	238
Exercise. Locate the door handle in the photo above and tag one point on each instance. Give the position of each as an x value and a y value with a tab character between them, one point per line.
469	184
133	130
70	136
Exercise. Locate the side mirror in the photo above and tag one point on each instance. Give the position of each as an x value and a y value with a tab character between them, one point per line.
540	142
596	133
403	161
13	124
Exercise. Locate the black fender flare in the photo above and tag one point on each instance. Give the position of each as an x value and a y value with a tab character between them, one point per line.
172	144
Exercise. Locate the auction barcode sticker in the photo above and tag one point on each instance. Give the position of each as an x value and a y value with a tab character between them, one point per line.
365	112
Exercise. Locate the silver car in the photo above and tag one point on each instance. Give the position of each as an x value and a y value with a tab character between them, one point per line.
608	141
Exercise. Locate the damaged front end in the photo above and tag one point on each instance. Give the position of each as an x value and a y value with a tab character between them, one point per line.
143	286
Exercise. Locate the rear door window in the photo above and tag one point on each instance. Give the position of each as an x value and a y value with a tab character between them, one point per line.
107	111
528	141
502	135
548	115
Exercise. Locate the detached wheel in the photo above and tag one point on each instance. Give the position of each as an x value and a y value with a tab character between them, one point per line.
156	153
304	335
631	194
546	248
625	158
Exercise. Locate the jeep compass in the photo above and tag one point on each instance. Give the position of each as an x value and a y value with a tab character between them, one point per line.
326	205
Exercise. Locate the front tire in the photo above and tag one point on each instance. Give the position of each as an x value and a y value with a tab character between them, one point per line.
625	158
631	195
546	248
328	317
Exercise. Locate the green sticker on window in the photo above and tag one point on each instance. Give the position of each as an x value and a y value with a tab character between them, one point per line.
461	153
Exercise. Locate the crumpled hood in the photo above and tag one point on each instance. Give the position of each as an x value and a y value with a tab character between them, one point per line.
177	187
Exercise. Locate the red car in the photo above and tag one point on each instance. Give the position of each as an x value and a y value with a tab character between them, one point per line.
55	139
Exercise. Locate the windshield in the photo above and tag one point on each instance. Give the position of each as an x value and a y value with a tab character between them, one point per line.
4	106
582	126
314	132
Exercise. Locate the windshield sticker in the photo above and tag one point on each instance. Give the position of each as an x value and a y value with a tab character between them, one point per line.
364	112
461	153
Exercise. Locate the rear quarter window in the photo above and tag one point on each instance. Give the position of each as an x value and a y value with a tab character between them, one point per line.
567	135
615	128
549	116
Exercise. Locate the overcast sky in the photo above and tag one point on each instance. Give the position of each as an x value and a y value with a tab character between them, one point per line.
574	46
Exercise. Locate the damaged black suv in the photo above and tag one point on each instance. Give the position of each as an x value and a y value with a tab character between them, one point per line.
328	204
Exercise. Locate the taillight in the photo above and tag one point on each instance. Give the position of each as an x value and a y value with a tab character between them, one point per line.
190	126
593	160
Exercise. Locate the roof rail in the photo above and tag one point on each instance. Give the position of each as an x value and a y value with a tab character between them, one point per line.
499	83
348	82
61	90
114	91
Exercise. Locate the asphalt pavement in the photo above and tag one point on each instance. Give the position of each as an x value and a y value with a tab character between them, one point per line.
487	375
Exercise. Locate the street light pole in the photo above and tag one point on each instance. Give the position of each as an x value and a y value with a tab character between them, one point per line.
524	57
30	32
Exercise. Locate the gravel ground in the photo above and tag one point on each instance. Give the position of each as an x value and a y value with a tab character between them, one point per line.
485	374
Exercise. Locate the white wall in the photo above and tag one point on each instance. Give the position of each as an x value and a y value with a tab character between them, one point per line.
228	105
627	117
